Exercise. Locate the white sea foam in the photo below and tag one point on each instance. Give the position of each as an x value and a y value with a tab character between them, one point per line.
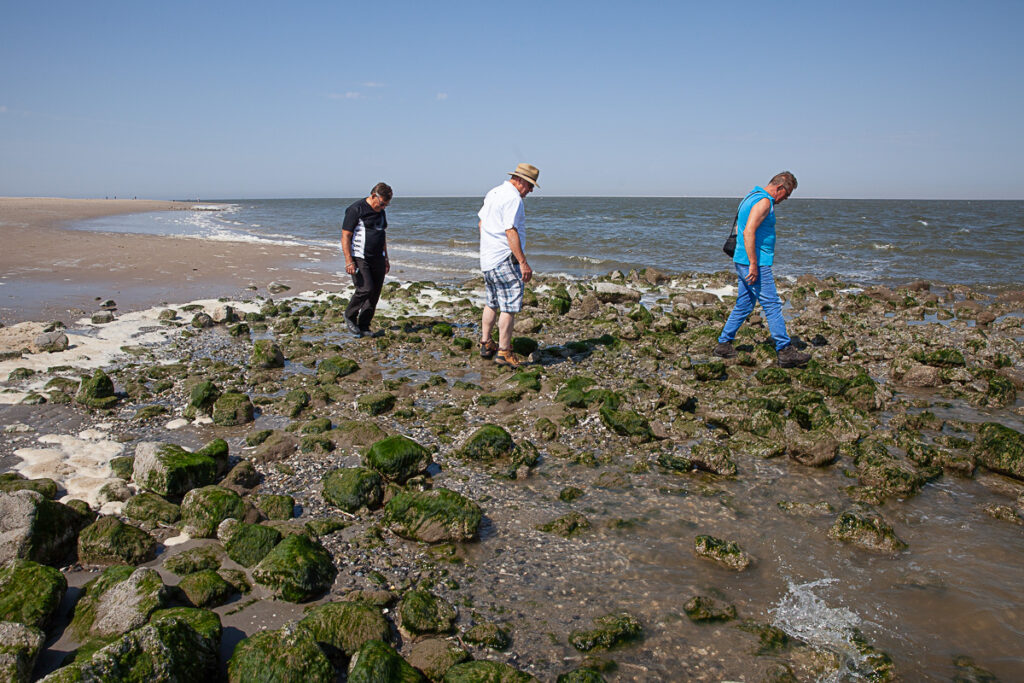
883	247
922	222
79	464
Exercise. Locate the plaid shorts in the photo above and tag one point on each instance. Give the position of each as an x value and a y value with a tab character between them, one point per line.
505	286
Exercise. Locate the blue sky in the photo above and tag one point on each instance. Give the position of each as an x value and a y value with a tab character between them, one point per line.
323	99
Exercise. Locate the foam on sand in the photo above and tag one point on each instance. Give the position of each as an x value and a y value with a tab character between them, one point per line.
79	464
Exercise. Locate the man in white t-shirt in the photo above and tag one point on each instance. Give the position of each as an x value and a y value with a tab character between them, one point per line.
503	261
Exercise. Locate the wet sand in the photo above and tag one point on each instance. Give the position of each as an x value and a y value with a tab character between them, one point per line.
50	272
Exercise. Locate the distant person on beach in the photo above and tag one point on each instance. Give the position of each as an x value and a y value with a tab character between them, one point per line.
755	253
503	261
365	248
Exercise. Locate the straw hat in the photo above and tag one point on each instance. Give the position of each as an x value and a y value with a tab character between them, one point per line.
527	172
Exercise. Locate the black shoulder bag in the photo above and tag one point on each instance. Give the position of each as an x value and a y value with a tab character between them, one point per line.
730	242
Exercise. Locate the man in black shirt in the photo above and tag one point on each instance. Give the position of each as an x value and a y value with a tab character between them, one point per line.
366	256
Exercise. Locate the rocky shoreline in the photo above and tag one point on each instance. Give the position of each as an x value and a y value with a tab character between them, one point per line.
278	495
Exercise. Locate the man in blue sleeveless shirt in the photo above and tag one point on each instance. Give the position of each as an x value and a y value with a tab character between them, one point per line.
755	253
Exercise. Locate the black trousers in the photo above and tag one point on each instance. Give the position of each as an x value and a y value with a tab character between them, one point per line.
369	280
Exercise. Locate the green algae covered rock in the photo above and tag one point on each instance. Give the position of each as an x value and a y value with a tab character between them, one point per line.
489	442
567	525
422	612
581	675
707	372
878	469
38	529
12	481
151	509
488	635
940	358
170	650
30	592
97	391
377	662
206	588
483	671
233	408
250	543
201	399
331	369
713	457
194	560
289	655
702	608
119	600
170	470
434	656
397	458
433	516
351	488
297	569
868	532
108	541
19	647
612	630
279	507
772	376
206	623
1001	449
376	403
726	553
204	508
343	627
626	423
266	355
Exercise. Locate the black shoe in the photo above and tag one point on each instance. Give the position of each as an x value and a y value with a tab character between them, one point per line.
789	357
353	328
725	350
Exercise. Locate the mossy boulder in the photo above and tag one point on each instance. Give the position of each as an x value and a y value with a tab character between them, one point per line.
206	588
378	662
38	529
524	346
250	543
726	553
97	391
1001	449
421	612
702	608
376	403
170	470
289	655
612	630
581	675
151	509
489	442
201	399
170	650
880	470
233	408
331	369
108	541
869	532
941	358
194	560
204	508
433	516
567	525
483	671
12	481
714	457
30	592
119	600
297	569
19	647
397	458
279	507
707	372
626	423
205	622
342	628
351	488
266	355
434	656
488	635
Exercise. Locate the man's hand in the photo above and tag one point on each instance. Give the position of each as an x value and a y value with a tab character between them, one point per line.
350	268
526	270
751	277
387	265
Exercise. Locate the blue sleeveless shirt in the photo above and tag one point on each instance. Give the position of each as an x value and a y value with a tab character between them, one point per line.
764	238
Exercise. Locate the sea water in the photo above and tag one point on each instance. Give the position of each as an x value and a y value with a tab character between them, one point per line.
862	241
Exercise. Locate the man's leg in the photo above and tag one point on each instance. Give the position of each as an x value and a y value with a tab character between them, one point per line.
361	281
506	321
487	323
770	302
745	297
374	274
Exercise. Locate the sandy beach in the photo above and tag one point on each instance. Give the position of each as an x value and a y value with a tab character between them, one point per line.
50	272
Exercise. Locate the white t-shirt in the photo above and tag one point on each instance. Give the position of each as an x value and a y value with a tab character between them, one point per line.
502	210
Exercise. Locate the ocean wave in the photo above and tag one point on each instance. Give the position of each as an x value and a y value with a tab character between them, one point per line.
883	247
399	248
922	222
585	259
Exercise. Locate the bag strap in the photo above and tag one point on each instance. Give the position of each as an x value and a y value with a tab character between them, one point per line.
736	218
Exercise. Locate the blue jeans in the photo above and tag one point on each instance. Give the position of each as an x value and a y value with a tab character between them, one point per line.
763	291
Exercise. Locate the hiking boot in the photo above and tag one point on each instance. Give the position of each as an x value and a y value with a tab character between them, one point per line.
725	350
488	349
507	357
352	327
789	357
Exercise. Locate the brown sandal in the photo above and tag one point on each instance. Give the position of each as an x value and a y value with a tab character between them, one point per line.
508	358
488	349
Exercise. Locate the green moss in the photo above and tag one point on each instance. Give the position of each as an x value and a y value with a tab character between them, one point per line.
152	509
296	569
489	442
488	635
397	458
612	631
266	355
707	372
97	391
546	429
422	612
351	488
345	626
276	506
567	525
433	516
177	472
285	656
204	508
30	592
377	662
868	532
581	675
206	623
194	560
12	481
726	553
483	671
206	588
331	369
110	541
233	408
250	543
941	358
702	608
1001	449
